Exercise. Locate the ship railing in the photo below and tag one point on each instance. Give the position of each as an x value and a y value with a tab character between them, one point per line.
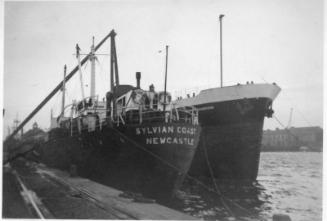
76	126
75	130
190	115
134	117
191	91
120	119
99	125
88	103
66	108
152	115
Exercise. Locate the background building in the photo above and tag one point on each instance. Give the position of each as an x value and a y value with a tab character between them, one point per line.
293	139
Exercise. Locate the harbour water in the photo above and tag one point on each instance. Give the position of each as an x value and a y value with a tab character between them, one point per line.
288	183
293	180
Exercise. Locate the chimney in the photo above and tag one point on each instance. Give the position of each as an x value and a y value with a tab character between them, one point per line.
138	79
151	88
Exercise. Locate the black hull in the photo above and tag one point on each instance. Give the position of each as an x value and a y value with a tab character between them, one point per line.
231	133
122	157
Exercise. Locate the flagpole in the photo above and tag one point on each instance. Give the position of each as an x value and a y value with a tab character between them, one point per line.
221	49
164	107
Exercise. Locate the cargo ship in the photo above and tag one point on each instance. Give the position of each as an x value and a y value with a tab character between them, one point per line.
133	139
231	120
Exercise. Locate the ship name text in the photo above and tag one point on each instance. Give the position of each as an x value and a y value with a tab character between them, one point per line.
180	135
165	130
169	140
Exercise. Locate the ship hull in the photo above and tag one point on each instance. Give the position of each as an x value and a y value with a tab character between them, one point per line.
231	120
230	140
152	159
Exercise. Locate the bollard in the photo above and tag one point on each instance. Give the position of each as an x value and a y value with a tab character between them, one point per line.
281	217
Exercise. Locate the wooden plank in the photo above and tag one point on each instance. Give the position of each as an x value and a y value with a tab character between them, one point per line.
109	198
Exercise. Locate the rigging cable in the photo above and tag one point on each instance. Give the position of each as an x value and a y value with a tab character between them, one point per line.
294	105
73	88
100	73
288	130
56	101
217	192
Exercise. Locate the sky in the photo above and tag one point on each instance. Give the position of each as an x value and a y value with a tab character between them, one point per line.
263	41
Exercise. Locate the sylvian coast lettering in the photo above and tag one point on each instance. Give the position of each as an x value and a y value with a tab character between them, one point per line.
165	130
179	135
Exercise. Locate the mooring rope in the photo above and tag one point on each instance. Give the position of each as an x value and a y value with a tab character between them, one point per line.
218	189
215	191
214	181
188	176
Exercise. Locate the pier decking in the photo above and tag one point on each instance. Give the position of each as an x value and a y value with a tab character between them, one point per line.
58	195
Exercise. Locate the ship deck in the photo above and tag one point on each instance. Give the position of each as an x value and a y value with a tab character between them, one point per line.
32	190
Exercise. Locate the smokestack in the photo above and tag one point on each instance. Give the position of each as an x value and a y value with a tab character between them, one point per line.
138	79
151	88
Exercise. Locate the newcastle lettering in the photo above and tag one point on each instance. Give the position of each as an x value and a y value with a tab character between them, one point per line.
169	140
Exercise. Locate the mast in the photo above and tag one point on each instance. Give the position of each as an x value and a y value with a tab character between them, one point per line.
16	121
63	93
80	69
114	76
57	88
115	60
290	119
221	49
92	59
164	107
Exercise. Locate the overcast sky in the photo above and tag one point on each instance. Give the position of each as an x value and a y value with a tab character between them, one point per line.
264	41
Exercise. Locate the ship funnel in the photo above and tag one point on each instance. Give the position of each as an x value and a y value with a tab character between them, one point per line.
151	88
138	79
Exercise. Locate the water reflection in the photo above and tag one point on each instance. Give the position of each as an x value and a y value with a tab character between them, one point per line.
288	183
243	200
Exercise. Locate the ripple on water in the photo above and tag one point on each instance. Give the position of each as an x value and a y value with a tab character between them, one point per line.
289	183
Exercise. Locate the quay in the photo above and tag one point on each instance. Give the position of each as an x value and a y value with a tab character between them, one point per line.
32	190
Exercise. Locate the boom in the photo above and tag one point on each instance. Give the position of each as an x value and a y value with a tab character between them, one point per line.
59	86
